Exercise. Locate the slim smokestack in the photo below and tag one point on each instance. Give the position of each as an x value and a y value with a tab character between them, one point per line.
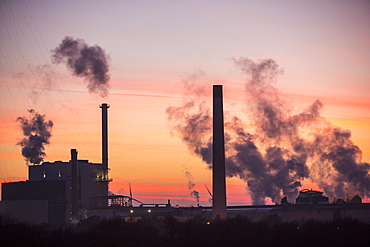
74	182
218	165
104	108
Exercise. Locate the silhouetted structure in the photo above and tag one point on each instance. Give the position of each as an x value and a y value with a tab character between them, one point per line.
356	199
104	108
218	165
311	197
53	182
74	183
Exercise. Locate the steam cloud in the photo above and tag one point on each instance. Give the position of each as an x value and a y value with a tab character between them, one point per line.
282	149
89	62
37	132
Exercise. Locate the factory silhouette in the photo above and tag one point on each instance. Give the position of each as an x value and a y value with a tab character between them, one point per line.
63	192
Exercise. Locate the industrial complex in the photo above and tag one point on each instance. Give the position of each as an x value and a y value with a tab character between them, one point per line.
63	192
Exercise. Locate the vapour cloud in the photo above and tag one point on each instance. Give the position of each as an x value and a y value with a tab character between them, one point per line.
37	133
192	122
45	80
88	62
282	149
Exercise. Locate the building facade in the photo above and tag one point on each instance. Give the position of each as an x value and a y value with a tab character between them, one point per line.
52	182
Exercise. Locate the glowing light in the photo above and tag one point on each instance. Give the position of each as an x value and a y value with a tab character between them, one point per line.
131	211
149	210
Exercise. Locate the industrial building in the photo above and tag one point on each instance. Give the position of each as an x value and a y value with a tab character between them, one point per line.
311	197
52	182
62	189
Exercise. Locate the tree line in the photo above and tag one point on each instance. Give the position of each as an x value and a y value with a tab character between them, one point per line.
197	231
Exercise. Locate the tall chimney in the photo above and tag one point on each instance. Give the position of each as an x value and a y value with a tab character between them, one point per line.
74	183
218	165
104	108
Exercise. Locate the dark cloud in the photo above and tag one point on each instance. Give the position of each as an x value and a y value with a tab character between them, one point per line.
88	62
37	133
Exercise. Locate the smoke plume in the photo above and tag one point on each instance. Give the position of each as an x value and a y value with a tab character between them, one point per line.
37	132
88	62
191	185
282	149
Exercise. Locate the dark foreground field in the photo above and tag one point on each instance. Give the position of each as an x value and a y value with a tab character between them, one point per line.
238	231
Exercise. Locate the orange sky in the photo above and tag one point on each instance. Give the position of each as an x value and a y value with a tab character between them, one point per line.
323	49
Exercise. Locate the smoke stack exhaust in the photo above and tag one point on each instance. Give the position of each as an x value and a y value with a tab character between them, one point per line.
74	183
104	108
218	163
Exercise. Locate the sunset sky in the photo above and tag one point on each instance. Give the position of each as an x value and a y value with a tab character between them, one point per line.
154	47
